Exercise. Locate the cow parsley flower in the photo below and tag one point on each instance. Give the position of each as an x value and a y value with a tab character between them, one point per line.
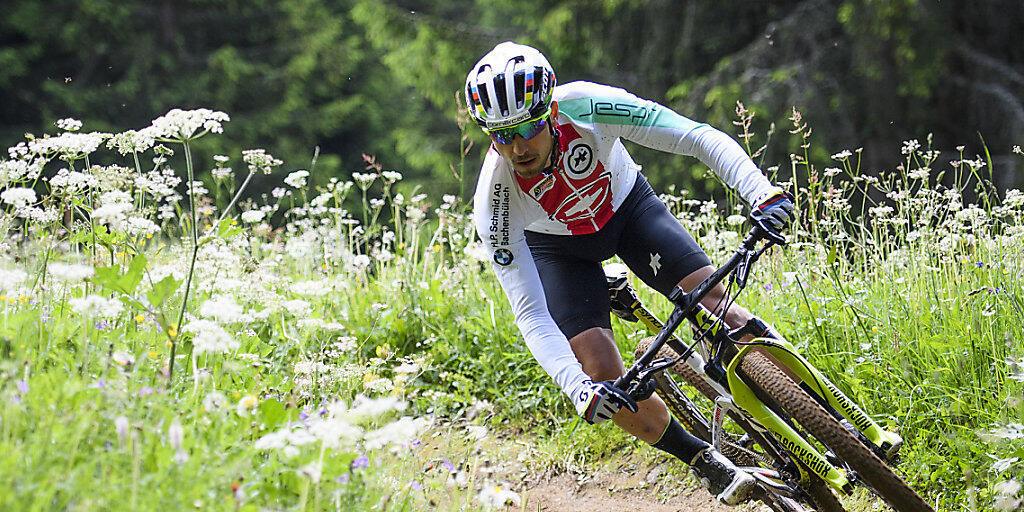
95	305
71	272
113	209
18	196
13	171
208	336
131	141
182	125
68	182
68	145
260	161
397	432
69	124
222	308
252	216
10	279
297	179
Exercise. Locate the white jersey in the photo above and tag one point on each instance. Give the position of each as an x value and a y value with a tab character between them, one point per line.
593	176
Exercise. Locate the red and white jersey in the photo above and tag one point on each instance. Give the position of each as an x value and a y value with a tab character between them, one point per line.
593	176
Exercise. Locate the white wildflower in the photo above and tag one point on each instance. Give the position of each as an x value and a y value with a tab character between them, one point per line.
297	179
131	141
279	192
391	176
121	428
910	146
214	401
68	145
252	216
222	308
113	208
122	358
362	180
141	226
95	305
69	124
297	307
364	408
71	272
497	496
18	196
12	171
208	336
260	161
181	125
175	434
246	404
311	471
10	279
401	431
72	182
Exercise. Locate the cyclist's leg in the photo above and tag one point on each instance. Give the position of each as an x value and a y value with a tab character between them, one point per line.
656	247
577	298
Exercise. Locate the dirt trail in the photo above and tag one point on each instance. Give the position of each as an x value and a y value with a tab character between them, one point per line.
615	493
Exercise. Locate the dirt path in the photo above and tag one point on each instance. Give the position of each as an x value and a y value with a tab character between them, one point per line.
616	493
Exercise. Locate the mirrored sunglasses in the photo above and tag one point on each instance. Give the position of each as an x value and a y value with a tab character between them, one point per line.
527	130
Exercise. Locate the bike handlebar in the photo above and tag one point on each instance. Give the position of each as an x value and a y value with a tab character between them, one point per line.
686	302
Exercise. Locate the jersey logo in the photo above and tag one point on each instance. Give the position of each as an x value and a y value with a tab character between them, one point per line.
542	187
579	158
503	257
587	202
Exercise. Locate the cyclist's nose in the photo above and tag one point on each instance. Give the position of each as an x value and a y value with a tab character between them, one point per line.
520	146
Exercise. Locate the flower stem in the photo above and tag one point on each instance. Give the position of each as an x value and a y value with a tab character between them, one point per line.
234	199
192	263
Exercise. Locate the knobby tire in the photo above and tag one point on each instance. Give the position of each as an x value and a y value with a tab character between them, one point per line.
820	494
758	371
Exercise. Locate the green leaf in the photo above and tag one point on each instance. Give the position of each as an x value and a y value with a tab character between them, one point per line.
833	254
226	230
272	413
112	279
162	290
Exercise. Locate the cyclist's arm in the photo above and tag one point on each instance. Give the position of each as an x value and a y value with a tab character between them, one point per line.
501	230
615	112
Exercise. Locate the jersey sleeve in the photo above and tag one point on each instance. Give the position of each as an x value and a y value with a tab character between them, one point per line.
500	222
614	112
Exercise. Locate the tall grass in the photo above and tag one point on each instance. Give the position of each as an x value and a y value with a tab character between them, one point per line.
323	329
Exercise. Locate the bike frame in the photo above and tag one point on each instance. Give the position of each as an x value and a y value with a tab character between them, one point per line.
717	344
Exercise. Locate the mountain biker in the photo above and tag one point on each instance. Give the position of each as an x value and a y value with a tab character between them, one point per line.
558	193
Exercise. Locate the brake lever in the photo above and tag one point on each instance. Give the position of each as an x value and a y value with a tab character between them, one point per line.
640	390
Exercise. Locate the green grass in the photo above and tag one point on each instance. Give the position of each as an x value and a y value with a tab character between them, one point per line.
915	312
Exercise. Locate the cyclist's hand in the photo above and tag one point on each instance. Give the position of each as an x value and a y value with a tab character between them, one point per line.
597	402
776	210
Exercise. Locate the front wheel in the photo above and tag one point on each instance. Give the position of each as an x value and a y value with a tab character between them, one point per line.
767	378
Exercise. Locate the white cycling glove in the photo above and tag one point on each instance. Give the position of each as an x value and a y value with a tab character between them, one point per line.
597	402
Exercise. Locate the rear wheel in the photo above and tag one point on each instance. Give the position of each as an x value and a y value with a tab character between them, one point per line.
764	376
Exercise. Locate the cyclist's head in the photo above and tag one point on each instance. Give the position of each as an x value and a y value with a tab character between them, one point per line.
509	85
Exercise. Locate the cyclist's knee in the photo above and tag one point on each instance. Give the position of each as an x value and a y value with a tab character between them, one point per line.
596	351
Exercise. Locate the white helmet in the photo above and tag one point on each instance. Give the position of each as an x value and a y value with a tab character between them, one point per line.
509	85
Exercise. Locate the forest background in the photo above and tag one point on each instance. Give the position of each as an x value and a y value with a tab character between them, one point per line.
354	77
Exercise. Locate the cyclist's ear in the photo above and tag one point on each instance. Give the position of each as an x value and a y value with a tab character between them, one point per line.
554	109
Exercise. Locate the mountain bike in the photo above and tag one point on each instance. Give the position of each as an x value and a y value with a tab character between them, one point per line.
758	401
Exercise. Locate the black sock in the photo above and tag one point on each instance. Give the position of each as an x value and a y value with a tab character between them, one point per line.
677	441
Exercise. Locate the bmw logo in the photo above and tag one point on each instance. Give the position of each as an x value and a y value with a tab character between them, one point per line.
503	257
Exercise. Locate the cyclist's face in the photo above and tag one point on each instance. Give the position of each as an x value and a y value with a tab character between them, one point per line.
529	156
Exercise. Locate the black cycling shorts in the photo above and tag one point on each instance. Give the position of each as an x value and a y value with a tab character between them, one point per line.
642	232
